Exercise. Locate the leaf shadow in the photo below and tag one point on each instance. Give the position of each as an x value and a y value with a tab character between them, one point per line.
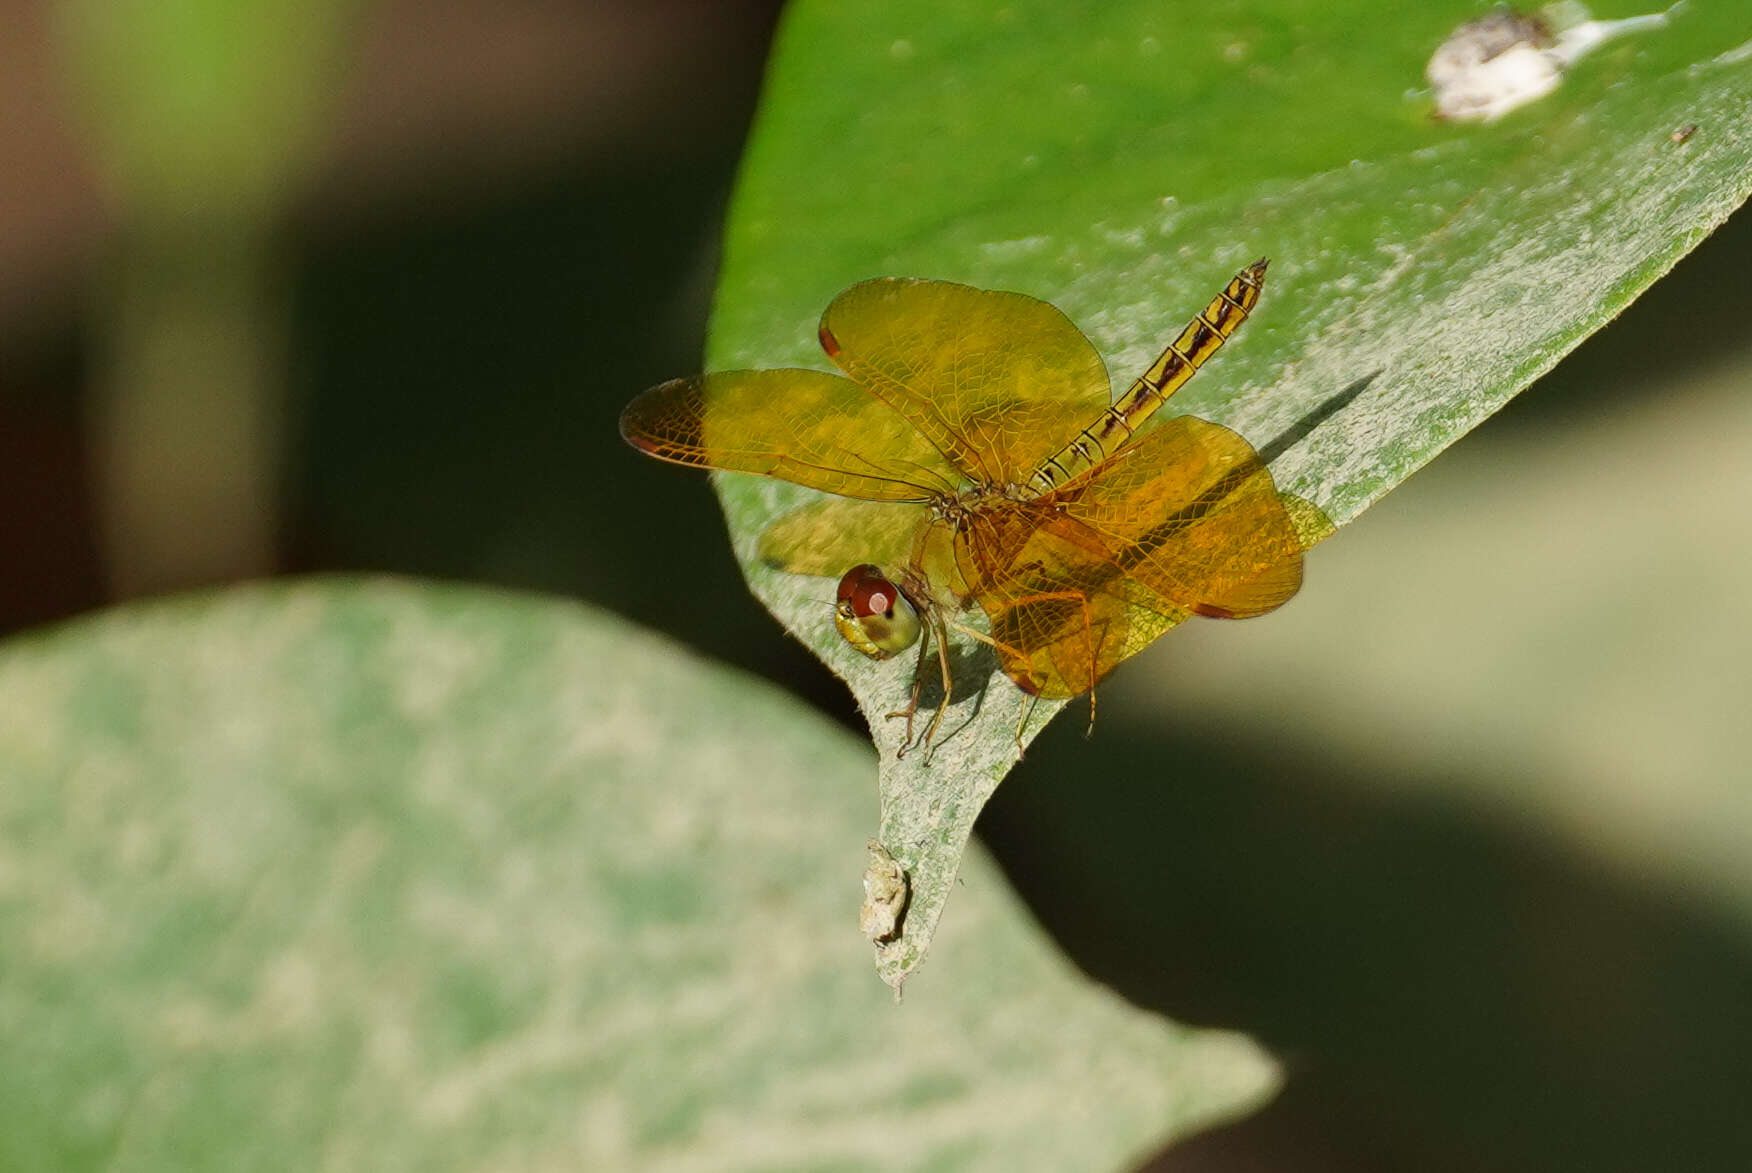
1325	410
968	661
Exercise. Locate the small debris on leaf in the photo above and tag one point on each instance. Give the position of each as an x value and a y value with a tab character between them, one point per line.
1490	66
885	895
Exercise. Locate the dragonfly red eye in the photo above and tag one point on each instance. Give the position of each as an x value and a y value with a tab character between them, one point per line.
873	614
867	591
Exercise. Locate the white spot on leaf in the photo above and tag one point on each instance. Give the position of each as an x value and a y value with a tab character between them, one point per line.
1490	66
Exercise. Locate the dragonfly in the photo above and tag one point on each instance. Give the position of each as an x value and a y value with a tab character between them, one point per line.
978	460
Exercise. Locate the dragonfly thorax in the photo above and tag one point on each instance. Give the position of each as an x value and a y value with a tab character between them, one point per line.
959	509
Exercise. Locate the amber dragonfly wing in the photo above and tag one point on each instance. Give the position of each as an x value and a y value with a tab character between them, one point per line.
996	381
1189	512
1185	520
807	427
829	536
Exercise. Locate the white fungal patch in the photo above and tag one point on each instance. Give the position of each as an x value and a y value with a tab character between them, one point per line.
1490	66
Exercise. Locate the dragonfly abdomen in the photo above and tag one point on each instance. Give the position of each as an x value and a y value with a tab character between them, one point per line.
1202	338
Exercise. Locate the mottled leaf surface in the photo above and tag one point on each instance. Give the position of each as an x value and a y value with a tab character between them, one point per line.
378	875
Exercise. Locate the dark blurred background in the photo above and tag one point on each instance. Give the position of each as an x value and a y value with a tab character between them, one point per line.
1459	834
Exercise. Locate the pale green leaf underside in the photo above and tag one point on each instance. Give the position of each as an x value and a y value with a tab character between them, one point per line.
1123	161
396	877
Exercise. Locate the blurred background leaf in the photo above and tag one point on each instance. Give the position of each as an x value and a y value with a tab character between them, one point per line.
203	107
389	876
203	117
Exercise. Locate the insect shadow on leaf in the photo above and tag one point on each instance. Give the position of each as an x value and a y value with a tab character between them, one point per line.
1325	410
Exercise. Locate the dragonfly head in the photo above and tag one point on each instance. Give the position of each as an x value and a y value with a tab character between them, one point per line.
873	614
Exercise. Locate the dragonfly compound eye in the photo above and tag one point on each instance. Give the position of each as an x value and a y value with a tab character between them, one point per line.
874	615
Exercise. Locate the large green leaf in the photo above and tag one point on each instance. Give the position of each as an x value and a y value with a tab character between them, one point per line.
386	876
1122	161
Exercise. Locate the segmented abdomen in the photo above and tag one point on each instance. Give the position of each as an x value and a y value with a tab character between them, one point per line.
1202	337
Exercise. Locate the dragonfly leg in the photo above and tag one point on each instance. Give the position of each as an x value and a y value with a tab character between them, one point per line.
1089	647
1028	708
943	704
918	684
976	633
1022	721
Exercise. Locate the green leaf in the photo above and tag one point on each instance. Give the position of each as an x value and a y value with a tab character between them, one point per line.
387	876
1122	162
